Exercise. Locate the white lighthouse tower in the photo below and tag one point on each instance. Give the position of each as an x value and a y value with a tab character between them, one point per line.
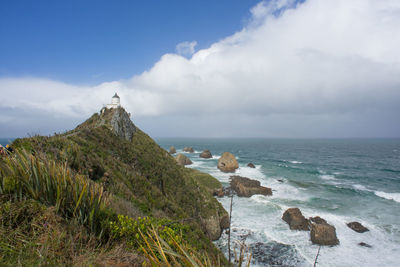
115	102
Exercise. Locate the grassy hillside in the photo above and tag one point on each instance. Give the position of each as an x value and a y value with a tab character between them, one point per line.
96	195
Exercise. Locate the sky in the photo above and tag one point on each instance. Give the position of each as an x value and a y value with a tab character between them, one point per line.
244	68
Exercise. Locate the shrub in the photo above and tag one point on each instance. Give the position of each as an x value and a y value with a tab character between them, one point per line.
129	229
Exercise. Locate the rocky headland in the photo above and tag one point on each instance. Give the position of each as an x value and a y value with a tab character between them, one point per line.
136	180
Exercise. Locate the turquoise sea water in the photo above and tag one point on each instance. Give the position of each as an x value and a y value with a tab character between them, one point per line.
5	141
339	180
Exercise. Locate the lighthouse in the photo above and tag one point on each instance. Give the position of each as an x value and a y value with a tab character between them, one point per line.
115	102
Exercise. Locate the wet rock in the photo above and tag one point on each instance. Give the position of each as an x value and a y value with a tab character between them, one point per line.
280	180
323	234
275	254
317	220
358	227
364	245
295	219
172	150
251	165
227	162
188	149
183	160
206	154
245	187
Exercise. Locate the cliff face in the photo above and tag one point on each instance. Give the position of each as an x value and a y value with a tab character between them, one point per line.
122	125
142	178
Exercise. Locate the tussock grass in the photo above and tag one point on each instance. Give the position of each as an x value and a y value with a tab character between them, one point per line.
25	176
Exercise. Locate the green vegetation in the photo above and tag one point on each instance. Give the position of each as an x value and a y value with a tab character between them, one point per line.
88	197
204	179
130	229
25	176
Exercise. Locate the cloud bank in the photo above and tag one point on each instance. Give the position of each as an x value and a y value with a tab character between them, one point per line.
331	64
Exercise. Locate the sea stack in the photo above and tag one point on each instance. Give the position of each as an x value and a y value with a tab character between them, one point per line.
188	149
183	160
206	154
227	162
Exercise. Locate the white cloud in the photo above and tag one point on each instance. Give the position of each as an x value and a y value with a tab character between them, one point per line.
319	57
186	48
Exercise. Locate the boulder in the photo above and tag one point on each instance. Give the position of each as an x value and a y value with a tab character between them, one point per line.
206	154
323	234
245	187
224	222
219	192
227	162
317	220
214	225
183	160
188	149
251	165
172	150
358	227
295	219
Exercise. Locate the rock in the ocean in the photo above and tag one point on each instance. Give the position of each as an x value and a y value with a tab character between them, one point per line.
317	220
183	160
188	149
227	162
206	154
251	165
245	187
295	219
358	227
364	245
323	234
172	150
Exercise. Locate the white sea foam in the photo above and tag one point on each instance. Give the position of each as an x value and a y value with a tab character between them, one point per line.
295	162
327	177
361	187
390	196
261	215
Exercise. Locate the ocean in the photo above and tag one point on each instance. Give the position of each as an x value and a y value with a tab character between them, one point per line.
5	141
340	180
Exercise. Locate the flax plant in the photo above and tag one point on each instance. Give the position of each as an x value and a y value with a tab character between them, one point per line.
24	176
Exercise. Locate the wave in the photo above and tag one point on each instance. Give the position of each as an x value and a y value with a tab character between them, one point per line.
361	187
295	162
327	177
390	196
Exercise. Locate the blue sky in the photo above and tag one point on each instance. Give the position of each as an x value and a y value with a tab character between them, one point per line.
96	41
266	68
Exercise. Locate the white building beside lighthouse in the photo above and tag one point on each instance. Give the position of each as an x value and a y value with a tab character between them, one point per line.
115	102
